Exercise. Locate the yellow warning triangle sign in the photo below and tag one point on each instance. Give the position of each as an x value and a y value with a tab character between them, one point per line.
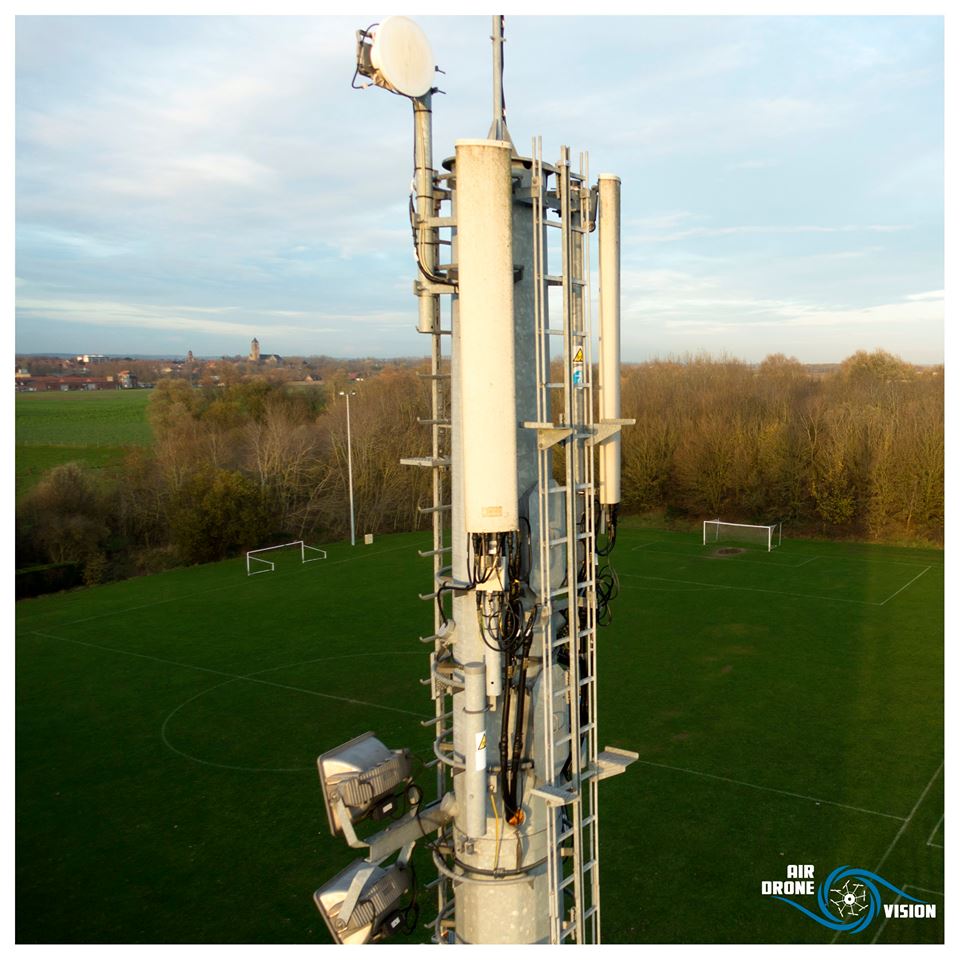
579	357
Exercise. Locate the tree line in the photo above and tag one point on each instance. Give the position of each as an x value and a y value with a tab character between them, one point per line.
858	451
232	468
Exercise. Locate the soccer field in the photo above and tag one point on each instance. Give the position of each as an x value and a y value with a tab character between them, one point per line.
97	428
787	708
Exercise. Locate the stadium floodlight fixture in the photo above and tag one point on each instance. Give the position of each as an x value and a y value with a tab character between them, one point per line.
361	779
365	902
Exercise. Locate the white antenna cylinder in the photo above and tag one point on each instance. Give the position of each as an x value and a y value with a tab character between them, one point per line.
474	735
485	280
609	244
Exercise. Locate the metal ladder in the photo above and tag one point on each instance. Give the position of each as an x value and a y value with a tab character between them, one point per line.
573	826
439	510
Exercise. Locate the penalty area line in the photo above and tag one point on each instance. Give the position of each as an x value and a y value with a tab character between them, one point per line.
930	842
784	793
883	925
901	831
778	593
203	593
913	886
715	559
906	887
231	676
904	587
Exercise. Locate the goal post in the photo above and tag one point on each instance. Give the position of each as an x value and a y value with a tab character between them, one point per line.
759	534
257	564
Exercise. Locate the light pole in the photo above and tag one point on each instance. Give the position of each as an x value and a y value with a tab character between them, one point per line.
353	535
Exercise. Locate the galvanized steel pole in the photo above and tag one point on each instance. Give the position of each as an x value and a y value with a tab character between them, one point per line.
353	534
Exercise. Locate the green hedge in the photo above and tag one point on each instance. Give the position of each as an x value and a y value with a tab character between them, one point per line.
48	578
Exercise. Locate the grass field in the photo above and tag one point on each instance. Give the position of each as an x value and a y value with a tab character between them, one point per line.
93	427
787	708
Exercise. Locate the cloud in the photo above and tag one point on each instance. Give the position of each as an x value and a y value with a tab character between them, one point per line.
225	322
766	229
221	161
72	244
124	314
724	314
754	163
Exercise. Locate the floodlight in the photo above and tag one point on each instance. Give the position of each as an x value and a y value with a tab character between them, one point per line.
365	903
360	779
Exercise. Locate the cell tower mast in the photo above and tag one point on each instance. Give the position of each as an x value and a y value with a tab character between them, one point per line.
521	583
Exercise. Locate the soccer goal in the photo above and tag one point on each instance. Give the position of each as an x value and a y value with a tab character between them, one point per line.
257	564
769	536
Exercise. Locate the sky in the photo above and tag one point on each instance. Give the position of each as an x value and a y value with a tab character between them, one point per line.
189	183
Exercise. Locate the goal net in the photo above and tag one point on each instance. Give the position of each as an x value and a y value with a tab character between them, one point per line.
755	534
260	564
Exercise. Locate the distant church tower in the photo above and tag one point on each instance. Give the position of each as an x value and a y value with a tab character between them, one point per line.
254	350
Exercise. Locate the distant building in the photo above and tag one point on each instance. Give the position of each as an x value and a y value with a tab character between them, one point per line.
257	357
127	380
65	384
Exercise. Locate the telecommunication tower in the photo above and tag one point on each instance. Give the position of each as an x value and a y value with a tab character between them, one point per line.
525	462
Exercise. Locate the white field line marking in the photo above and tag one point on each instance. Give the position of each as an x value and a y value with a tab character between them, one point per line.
165	740
779	593
231	676
697	556
906	887
903	827
880	929
913	886
873	560
906	822
755	786
904	587
933	833
794	566
245	584
651	586
229	766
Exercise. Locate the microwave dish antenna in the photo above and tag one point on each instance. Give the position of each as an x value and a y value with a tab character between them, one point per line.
402	57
